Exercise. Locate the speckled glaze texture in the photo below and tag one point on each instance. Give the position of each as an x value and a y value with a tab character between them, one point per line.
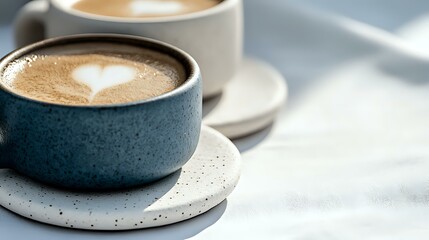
104	146
204	182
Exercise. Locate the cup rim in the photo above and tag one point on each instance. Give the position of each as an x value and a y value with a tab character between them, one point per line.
225	4
189	64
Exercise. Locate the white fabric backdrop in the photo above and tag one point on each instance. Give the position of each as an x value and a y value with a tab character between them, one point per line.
347	158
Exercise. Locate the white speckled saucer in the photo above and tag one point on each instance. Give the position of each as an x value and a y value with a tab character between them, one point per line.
204	182
249	102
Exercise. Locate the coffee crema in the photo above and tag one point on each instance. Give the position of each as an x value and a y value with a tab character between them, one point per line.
93	74
143	8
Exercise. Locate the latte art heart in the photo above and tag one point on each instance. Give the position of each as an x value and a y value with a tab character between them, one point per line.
93	74
142	7
99	78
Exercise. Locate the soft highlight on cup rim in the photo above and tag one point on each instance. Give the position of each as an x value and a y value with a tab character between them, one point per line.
66	6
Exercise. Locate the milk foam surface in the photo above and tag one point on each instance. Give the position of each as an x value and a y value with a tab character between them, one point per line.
93	74
143	8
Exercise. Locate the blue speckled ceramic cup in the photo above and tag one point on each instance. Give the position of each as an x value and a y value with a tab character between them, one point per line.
107	146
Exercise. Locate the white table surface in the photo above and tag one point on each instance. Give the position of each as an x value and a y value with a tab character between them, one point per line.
347	157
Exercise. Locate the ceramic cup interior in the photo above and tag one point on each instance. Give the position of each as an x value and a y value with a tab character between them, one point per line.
66	6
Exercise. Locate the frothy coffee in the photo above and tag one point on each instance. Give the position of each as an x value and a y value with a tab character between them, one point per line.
93	74
143	8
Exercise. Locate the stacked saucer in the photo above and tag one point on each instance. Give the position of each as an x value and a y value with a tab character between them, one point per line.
249	102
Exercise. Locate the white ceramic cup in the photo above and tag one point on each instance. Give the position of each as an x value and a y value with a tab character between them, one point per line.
214	37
